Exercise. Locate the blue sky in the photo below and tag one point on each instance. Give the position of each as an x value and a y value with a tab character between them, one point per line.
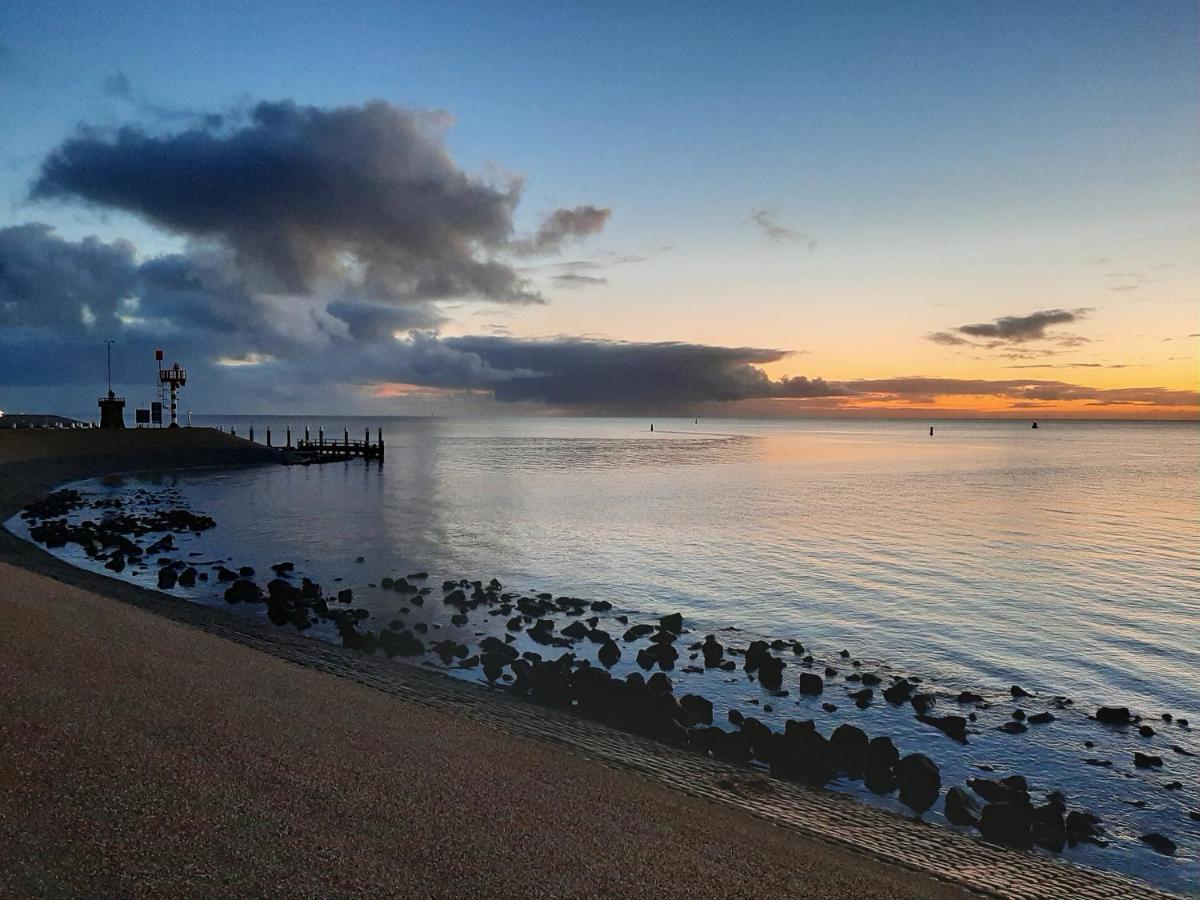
953	162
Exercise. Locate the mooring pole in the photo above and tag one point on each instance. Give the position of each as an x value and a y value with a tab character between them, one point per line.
289	437
268	435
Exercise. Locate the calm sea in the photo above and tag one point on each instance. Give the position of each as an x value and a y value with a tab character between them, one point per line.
1065	559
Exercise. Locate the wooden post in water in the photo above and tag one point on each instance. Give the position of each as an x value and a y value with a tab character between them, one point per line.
321	435
306	434
366	440
381	443
289	437
268	435
346	438
252	432
233	431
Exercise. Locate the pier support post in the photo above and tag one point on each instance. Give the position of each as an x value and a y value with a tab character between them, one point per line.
289	437
268	435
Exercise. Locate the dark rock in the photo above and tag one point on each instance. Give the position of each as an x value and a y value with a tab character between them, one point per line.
1041	718
672	622
1146	731
1160	843
1048	828
637	631
862	699
961	808
770	673
166	578
345	595
576	630
1113	715
811	684
880	770
922	702
849	745
1147	761
1013	728
969	697
953	726
736	718
712	650
1008	823
1082	827
187	578
609	653
896	693
1019	715
699	711
871	679
1005	791
1101	763
243	592
659	683
919	782
1018	692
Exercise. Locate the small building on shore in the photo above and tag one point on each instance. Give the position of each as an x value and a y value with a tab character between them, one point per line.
112	411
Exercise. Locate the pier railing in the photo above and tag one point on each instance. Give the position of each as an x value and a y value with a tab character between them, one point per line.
322	448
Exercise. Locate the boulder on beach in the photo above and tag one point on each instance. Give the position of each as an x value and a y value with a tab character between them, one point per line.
1159	843
919	781
609	653
1008	823
961	808
243	591
672	622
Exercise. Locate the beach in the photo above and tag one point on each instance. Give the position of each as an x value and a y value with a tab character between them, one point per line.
155	746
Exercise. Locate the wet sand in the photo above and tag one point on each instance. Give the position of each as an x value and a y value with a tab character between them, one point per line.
142	756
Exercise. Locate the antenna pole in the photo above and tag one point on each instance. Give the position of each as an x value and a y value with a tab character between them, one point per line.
108	343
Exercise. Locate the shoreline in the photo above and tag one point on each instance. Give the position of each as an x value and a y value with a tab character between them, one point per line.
834	820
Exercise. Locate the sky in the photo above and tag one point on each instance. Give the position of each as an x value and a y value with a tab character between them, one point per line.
891	209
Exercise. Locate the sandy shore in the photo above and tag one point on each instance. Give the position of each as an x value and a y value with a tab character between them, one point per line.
139	755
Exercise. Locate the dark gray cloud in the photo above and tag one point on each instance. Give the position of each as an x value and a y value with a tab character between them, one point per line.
1009	330
574	280
366	196
620	374
68	286
773	230
562	227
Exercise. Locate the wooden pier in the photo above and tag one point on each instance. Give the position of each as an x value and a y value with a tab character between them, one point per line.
325	449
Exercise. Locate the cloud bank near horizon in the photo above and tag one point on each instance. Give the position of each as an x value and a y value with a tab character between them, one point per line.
59	299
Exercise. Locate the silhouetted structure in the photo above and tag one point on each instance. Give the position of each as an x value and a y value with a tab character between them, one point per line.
175	378
112	411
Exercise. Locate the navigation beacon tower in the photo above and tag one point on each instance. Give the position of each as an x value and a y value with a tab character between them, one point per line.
173	378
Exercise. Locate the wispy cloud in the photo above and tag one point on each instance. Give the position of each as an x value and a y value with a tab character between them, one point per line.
775	231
